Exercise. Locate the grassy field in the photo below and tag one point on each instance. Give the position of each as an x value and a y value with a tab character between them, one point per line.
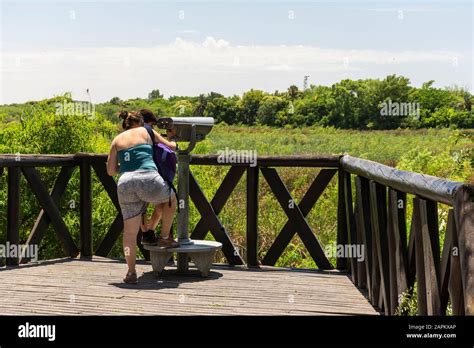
440	152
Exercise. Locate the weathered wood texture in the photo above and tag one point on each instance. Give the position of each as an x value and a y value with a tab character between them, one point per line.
86	209
427	186
13	210
295	215
7	160
13	160
47	203
464	217
42	221
94	287
307	202
394	265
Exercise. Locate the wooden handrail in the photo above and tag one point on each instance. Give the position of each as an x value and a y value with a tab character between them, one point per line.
11	160
437	189
274	161
27	160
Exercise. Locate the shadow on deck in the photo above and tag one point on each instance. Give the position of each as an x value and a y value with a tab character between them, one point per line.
94	287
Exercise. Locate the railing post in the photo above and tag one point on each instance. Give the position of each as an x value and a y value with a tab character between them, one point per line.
397	241
364	229
419	259
86	209
378	205
252	216
450	271
350	223
341	262
13	211
464	217
430	252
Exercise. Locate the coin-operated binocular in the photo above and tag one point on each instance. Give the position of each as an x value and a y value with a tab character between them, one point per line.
192	129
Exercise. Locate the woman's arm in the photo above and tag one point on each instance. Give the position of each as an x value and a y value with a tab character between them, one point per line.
160	139
112	162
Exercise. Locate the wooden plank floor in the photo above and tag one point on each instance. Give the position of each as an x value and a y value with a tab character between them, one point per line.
94	287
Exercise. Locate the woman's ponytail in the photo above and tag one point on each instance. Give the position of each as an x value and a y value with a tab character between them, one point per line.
130	119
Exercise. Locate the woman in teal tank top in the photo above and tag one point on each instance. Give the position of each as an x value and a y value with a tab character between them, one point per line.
131	156
138	157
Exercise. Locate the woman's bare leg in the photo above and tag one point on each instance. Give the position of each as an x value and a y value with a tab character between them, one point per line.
130	241
155	217
167	217
144	222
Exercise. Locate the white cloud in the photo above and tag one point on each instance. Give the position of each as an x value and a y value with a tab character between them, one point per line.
210	42
188	67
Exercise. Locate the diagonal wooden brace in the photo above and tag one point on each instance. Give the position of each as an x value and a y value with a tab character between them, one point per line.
296	218
41	192
215	225
307	202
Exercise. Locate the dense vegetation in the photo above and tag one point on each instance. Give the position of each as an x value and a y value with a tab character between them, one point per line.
349	104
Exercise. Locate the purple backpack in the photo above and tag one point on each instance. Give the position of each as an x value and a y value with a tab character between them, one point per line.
165	160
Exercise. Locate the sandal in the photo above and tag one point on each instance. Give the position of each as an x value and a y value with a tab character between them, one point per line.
130	278
167	243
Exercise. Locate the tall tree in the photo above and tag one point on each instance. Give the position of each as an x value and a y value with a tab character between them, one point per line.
249	105
155	94
293	92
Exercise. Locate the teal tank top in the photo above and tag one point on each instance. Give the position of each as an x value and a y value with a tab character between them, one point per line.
138	157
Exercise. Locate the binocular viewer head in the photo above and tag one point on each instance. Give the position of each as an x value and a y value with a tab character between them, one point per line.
184	127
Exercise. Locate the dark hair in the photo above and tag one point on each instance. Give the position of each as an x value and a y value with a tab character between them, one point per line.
148	115
131	119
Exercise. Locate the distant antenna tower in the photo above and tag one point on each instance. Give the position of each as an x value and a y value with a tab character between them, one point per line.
305	82
88	94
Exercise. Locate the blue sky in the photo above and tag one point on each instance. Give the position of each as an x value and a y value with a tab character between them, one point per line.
127	48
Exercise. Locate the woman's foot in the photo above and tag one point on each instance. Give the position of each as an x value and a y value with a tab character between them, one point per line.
149	238
167	243
130	278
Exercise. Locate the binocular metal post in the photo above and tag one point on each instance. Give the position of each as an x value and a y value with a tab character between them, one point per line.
183	203
184	158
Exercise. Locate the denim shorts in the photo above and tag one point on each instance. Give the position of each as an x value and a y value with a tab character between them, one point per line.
136	189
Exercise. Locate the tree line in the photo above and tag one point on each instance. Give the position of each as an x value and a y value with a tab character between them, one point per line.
387	103
349	104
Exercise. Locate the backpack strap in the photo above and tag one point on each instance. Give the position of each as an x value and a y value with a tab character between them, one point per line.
150	133
149	129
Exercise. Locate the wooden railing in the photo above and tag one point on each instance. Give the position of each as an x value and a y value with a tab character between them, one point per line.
377	220
372	215
209	210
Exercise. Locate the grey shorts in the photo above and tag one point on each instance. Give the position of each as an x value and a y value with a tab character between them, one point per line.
136	189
